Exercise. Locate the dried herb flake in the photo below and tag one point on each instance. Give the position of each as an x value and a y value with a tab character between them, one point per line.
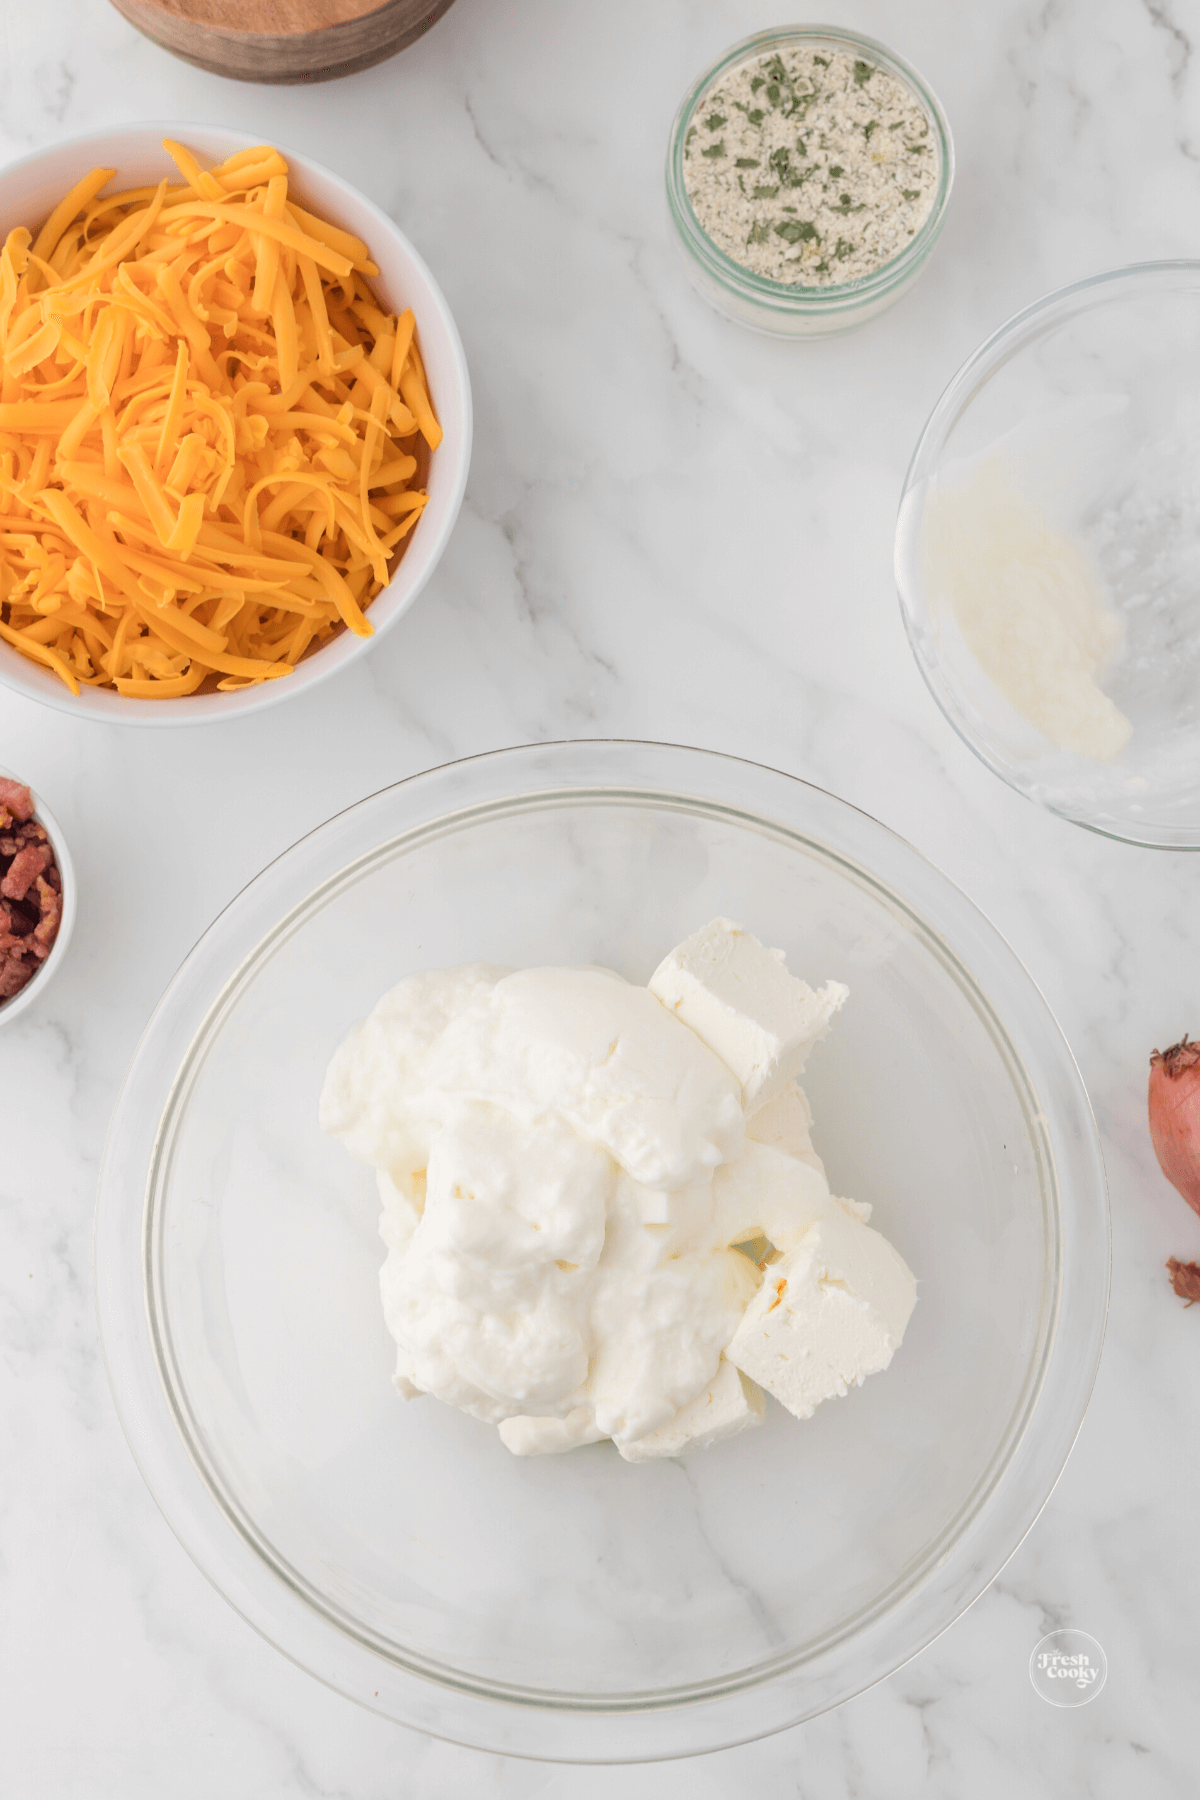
796	231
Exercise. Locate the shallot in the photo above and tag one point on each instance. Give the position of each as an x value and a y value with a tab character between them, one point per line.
1175	1116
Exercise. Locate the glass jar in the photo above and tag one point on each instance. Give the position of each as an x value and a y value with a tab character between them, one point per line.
791	309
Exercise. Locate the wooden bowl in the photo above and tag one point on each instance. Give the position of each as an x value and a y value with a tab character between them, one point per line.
282	40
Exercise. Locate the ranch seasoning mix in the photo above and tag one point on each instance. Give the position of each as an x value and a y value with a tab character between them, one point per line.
810	166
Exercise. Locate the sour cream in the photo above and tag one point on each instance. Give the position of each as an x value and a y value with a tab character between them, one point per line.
564	1170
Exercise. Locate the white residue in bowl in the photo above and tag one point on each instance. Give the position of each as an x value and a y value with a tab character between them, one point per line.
1024	589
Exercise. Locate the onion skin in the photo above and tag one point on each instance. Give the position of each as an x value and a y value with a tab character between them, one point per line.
1174	1105
1185	1279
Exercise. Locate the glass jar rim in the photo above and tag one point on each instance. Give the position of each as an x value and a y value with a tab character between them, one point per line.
788	297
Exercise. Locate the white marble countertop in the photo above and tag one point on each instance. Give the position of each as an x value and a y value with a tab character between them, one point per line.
673	530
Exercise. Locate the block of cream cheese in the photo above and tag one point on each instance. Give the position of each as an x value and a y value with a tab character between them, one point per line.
829	1313
765	1193
785	1123
729	1404
738	997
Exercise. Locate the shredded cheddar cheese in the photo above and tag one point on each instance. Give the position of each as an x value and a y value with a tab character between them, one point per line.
212	440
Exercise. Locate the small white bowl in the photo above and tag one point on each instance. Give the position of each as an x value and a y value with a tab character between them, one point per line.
36	986
31	188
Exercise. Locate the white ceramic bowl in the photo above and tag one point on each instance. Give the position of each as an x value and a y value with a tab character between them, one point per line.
34	990
30	189
579	1607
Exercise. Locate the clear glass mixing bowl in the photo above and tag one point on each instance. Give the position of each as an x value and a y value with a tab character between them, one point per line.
1089	404
579	1607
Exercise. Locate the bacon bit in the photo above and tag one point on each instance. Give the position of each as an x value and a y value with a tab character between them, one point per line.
15	799
29	862
30	891
13	975
1185	1279
46	929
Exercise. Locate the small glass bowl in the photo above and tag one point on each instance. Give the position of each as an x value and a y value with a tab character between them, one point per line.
786	309
1091	396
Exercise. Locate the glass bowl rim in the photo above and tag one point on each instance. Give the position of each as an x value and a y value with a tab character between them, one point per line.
788	297
651	1725
1015	334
